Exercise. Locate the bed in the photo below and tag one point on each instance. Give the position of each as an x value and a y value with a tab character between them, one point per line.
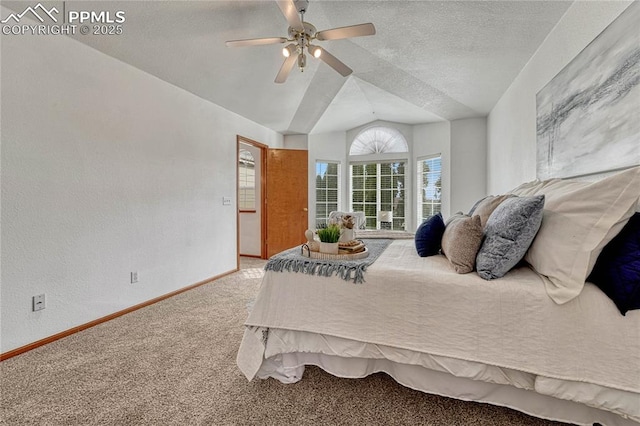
513	341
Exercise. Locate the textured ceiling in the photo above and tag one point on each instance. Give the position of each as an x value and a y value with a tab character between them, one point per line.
429	61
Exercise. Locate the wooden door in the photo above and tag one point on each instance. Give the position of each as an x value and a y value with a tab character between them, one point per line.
287	198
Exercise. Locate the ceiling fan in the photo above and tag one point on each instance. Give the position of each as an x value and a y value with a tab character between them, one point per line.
300	36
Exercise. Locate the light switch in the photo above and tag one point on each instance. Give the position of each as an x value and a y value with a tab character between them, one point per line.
226	201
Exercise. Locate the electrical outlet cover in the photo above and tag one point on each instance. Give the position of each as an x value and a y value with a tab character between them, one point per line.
38	302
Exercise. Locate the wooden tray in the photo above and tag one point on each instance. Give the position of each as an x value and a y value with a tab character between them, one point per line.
327	256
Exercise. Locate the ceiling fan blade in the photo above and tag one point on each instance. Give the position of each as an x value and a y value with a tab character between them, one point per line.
286	68
347	32
291	14
255	41
335	63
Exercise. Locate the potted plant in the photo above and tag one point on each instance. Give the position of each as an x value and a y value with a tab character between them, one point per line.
329	238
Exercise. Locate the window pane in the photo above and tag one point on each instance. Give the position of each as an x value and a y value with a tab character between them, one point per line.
383	185
371	169
429	190
370	182
327	190
358	182
370	210
370	196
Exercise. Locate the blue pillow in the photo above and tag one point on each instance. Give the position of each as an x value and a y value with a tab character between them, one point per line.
429	236
617	270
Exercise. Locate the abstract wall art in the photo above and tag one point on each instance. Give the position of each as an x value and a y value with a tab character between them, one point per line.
588	115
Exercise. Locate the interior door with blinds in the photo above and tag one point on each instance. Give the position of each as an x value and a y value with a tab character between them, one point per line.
287	199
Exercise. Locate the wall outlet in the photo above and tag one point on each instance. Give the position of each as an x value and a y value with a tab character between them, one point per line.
38	303
134	277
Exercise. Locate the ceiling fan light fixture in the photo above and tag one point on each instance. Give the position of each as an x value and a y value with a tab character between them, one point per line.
288	50
300	35
302	61
316	51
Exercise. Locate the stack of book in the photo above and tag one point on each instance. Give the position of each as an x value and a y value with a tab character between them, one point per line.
351	247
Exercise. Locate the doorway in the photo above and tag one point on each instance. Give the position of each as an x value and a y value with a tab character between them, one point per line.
251	159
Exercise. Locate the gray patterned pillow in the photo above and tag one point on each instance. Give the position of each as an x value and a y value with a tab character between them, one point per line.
509	232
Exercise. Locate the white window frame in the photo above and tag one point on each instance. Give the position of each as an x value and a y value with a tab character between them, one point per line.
419	176
378	161
326	203
246	182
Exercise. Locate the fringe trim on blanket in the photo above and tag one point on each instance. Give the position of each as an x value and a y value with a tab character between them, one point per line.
351	270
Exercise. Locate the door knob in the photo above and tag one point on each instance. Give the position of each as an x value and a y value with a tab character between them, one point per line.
305	209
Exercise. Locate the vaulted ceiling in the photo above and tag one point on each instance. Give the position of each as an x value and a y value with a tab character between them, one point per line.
429	61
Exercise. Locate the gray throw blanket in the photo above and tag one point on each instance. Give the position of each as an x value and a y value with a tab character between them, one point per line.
292	260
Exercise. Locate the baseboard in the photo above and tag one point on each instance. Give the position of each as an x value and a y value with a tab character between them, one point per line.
46	340
255	256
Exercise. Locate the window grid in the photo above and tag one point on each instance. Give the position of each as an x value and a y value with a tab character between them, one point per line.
327	190
429	189
246	181
379	187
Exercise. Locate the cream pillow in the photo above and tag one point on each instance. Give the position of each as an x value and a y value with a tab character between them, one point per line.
579	219
486	206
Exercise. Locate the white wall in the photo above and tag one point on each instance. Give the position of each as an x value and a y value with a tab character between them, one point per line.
435	138
512	122
251	222
106	170
468	162
327	147
296	142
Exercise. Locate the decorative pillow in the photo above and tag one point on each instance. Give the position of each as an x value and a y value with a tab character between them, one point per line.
579	219
487	205
461	241
429	236
508	234
617	270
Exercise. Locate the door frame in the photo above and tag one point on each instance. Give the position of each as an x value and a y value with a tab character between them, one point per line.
263	187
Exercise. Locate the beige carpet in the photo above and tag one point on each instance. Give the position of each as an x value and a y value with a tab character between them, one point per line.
173	363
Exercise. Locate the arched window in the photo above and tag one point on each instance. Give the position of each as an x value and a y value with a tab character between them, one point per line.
378	185
378	140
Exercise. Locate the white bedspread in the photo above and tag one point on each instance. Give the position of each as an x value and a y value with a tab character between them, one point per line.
421	304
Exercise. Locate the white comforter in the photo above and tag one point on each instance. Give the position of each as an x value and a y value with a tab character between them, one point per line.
421	304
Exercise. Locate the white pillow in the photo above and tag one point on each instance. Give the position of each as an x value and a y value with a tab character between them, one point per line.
579	219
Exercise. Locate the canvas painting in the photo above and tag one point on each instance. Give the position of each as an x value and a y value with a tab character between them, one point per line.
588	116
